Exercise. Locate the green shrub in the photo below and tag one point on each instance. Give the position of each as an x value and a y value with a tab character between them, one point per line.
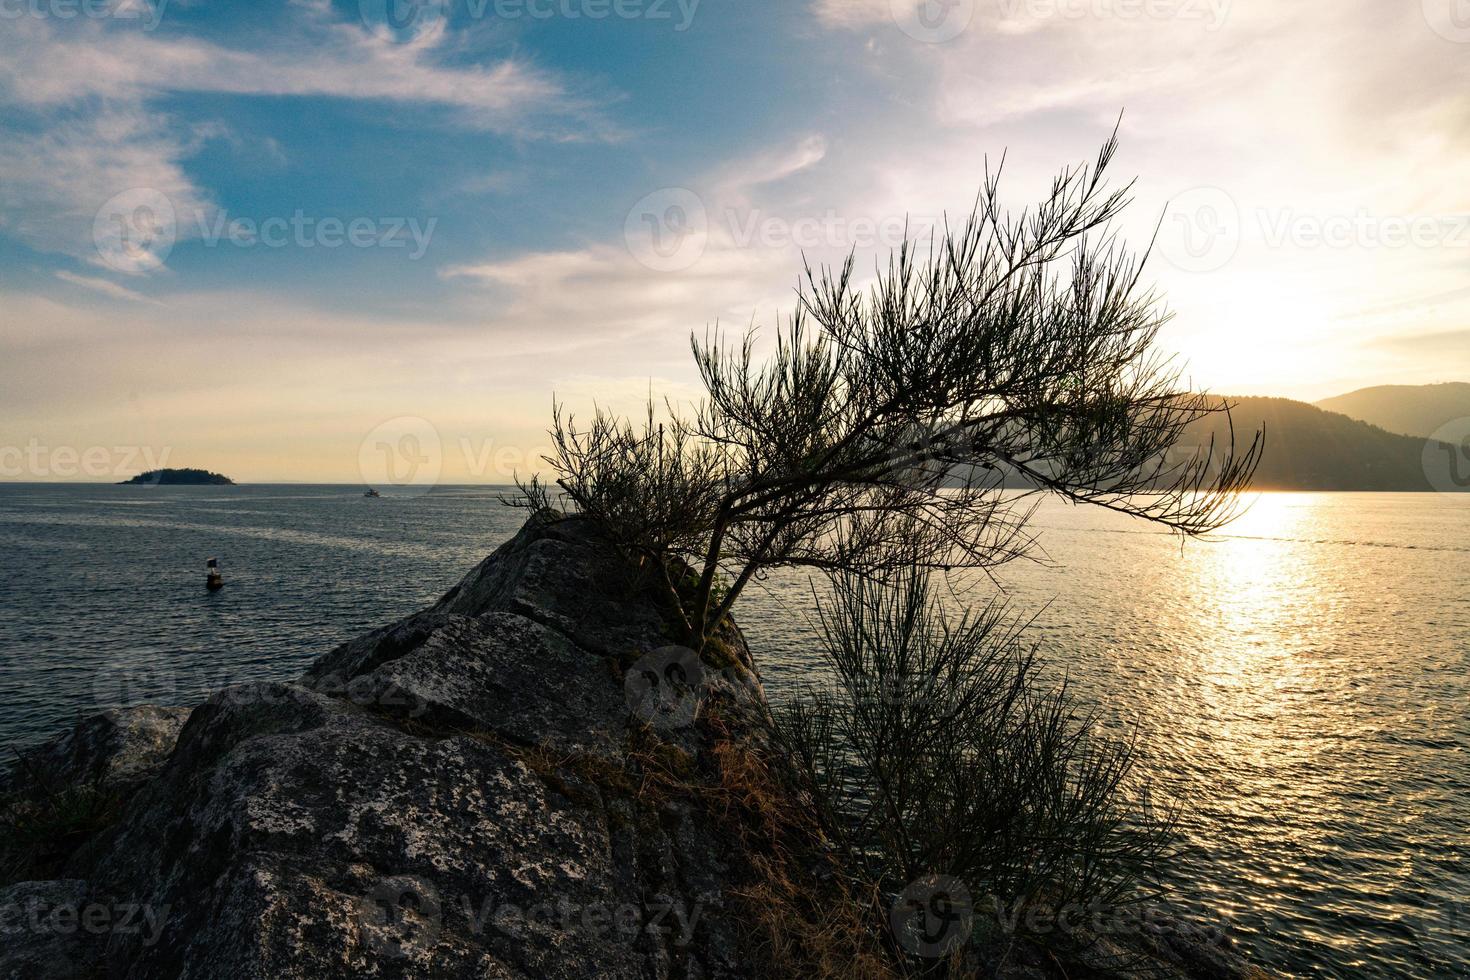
41	826
938	755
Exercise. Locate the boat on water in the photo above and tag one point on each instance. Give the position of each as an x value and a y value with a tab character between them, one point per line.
372	493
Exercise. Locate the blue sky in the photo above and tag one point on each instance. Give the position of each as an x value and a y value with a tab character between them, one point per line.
259	235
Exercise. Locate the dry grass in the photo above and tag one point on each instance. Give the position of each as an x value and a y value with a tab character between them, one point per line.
803	916
803	924
42	825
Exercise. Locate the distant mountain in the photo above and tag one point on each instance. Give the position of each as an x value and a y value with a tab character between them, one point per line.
1311	449
181	478
1415	410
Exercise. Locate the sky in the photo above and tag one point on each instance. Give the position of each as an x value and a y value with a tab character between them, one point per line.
359	242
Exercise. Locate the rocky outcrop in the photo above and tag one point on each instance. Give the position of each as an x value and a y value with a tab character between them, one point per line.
117	751
480	790
526	780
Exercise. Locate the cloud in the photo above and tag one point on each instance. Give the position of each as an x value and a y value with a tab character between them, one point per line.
770	166
58	178
600	294
84	375
852	14
1264	101
320	57
83	125
104	286
1440	343
754	219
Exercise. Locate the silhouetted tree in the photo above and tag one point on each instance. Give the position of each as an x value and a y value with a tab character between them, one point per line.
883	431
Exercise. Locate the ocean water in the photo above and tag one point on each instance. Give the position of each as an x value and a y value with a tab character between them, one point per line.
1301	686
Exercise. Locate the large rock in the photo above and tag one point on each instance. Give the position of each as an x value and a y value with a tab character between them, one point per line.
522	781
463	794
114	751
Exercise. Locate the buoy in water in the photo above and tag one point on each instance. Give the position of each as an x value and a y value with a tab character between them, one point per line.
215	580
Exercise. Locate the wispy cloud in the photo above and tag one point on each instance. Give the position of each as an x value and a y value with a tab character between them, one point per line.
322	56
1452	344
852	14
104	286
57	177
86	127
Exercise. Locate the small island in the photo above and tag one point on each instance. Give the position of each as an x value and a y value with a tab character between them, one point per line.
180	478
